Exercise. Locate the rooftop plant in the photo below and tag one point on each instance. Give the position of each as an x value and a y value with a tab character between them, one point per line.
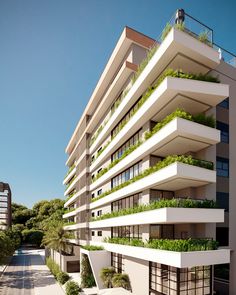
69	223
92	248
162	203
150	90
161	164
178	245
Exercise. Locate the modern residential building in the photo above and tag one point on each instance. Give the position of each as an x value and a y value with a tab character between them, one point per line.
148	177
5	206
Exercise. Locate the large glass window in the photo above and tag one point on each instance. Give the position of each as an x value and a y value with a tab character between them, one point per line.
131	232
156	195
117	261
224	131
162	231
168	280
222	166
128	115
132	141
222	236
222	200
128	202
126	175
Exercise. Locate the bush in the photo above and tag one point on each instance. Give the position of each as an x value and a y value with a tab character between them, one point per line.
92	248
87	278
62	277
53	266
121	280
72	288
106	275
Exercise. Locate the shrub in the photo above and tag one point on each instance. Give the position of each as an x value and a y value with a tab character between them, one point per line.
161	164
121	280
53	266
72	288
162	203
203	37
87	278
92	248
168	244
62	277
106	275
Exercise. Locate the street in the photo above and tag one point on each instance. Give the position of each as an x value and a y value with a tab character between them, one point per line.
28	275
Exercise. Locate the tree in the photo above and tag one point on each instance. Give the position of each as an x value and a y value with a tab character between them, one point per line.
56	239
106	275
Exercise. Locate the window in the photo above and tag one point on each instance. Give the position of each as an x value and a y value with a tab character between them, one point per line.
99	233
99	170
93	233
222	236
222	166
93	214
99	192
222	200
99	212
117	261
131	232
93	195
224	104
162	231
164	279
126	175
99	150
132	141
125	119
156	195
224	131
128	202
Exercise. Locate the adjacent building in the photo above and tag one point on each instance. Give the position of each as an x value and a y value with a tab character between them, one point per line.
151	164
5	206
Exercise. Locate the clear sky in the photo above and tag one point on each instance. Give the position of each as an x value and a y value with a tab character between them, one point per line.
52	53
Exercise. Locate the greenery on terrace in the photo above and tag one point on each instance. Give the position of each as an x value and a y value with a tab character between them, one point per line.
70	182
70	169
168	73
178	245
162	203
161	164
178	113
92	248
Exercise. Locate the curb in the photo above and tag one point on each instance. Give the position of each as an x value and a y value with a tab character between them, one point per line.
5	267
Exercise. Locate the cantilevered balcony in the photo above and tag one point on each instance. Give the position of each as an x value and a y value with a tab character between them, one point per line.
192	95
76	226
172	258
178	50
76	211
179	136
164	216
174	177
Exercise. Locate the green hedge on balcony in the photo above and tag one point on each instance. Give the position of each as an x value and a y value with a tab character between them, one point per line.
162	203
150	90
167	244
92	248
178	113
164	163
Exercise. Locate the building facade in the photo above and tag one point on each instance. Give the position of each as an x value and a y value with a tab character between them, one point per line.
148	177
5	206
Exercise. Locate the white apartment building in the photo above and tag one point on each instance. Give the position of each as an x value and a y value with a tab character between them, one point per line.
5	206
147	165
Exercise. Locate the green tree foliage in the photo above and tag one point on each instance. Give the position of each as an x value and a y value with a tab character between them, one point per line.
72	288
9	242
106	275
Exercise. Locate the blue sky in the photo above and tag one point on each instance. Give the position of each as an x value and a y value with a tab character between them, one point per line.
52	53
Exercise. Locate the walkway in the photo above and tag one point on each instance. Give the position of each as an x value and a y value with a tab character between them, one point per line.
28	275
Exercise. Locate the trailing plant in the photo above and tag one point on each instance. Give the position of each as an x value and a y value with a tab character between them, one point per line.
107	274
72	288
62	277
161	164
179	245
87	278
162	203
70	182
69	210
69	223
168	73
92	248
121	280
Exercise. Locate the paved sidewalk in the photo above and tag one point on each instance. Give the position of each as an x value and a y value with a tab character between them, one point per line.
28	275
